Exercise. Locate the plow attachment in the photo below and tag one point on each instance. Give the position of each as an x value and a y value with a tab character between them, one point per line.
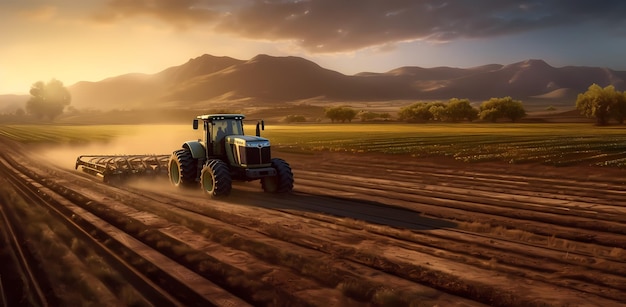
115	168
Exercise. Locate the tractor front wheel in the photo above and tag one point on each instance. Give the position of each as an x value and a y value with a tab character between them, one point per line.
182	169
215	178
282	182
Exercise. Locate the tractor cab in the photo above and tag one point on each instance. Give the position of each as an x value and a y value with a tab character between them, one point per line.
216	128
224	139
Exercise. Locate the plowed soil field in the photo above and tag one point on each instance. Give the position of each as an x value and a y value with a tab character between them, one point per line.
364	229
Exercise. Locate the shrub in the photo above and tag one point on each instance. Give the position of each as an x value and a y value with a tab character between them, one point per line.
454	110
368	115
342	114
496	108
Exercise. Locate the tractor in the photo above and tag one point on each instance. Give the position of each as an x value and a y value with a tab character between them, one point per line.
225	154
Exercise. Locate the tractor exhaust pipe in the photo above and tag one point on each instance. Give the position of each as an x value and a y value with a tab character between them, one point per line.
260	125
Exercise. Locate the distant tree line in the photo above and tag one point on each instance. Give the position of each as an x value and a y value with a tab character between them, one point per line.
49	100
604	104
456	110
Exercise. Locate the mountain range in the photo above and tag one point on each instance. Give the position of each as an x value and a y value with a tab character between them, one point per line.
205	80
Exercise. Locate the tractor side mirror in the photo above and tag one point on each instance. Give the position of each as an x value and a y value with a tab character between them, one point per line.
195	124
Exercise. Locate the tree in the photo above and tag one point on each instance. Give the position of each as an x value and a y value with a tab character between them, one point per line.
602	103
618	109
47	99
419	111
342	114
438	111
454	110
496	108
514	109
460	109
294	119
369	116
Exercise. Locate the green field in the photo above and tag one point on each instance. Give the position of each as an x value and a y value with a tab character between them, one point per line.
554	144
60	134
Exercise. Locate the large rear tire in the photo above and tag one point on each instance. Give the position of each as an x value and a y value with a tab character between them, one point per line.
215	178
182	169
282	182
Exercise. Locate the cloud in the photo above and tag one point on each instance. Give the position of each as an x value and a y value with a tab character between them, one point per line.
347	25
180	13
40	13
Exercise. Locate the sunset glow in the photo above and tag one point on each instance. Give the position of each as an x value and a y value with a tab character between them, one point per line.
90	41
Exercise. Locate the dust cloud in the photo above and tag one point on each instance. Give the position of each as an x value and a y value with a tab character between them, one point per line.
140	140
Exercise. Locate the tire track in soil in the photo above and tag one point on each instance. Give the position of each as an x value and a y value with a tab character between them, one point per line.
341	277
513	257
359	234
609	233
253	199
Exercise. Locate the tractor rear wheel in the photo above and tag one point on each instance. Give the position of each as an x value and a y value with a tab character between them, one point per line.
215	178
282	182
182	168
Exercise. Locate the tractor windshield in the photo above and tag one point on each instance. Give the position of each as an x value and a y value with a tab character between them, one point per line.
222	128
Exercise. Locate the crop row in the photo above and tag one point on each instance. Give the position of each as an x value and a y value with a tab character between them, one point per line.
560	152
554	144
557	145
55	134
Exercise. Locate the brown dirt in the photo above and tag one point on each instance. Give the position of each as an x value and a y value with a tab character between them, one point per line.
435	230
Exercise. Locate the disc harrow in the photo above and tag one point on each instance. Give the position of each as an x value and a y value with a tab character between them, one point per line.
116	168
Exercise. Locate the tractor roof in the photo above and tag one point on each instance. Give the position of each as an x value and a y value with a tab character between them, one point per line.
211	117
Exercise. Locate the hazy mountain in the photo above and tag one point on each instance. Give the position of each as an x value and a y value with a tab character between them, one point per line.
130	90
525	79
200	66
262	77
207	79
142	90
10	103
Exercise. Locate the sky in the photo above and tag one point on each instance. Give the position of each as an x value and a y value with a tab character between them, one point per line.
74	41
